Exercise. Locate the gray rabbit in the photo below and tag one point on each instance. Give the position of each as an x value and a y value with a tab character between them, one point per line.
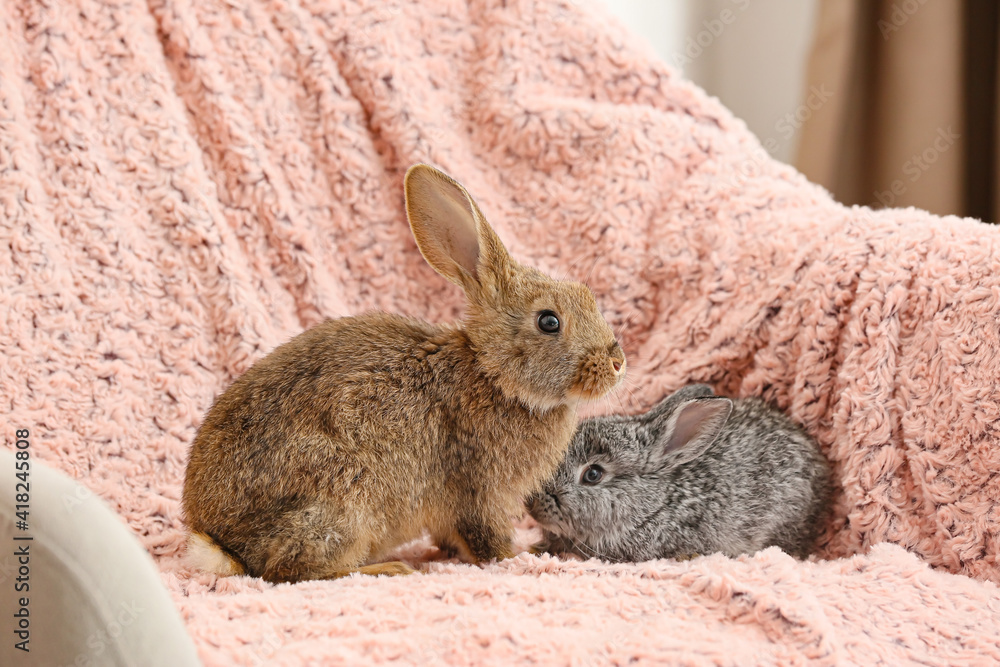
697	474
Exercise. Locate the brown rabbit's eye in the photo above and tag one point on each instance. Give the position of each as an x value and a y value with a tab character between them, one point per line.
592	475
547	322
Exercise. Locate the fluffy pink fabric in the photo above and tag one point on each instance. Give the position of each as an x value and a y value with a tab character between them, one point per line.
184	185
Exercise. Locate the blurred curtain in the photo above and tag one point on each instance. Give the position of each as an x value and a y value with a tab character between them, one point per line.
912	114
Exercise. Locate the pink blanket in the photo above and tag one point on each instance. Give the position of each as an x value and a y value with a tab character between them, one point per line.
184	185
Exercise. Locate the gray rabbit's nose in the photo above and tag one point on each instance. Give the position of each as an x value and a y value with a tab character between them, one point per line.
553	498
541	502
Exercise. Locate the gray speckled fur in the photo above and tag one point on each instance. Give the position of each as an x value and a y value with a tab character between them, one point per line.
761	481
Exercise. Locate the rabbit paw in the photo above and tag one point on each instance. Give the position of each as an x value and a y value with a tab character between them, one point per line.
392	568
681	557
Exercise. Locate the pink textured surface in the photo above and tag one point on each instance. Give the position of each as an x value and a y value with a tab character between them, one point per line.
184	185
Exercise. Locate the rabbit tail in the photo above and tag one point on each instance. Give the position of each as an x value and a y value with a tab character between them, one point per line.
205	555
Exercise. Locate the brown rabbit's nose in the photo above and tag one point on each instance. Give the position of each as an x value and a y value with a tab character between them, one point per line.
617	357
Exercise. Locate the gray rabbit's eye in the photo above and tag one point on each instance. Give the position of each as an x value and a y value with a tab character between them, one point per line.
592	475
547	322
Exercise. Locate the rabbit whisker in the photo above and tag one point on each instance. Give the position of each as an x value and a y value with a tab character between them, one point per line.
618	397
624	325
571	268
587	550
632	400
586	281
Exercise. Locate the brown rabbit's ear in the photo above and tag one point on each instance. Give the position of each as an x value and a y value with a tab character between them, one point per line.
451	232
690	429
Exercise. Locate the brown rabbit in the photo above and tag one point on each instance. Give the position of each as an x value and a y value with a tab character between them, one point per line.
362	432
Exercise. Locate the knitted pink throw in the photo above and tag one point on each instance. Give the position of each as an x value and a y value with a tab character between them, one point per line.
185	185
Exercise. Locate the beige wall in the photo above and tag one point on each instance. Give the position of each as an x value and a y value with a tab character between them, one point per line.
749	53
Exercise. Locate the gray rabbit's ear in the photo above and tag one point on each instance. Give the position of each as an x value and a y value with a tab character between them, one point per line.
668	405
690	429
451	232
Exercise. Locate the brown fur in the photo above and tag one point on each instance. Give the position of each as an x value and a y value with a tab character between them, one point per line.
361	432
